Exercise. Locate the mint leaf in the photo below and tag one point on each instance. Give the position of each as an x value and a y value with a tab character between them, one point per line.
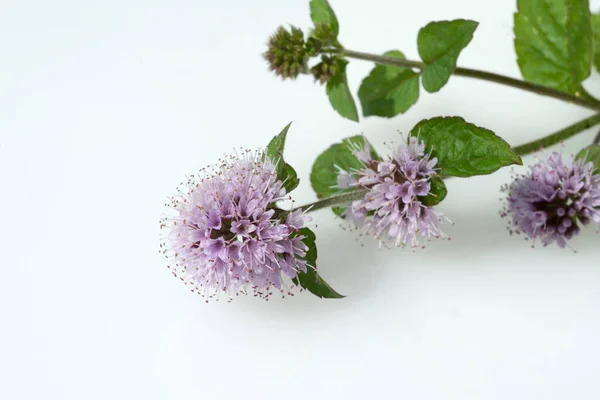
591	153
389	91
464	149
322	14
437	193
277	144
290	180
553	41
311	280
440	44
285	172
596	39
339	93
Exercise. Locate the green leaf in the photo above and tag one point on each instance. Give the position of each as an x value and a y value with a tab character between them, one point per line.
322	13
591	153
285	172
311	280
440	44
389	91
437	193
596	34
553	41
277	144
339	93
290	180
464	149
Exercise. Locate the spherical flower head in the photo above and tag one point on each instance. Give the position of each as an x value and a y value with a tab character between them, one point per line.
392	209
226	234
552	200
287	55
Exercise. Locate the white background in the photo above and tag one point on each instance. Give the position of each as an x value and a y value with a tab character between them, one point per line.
104	106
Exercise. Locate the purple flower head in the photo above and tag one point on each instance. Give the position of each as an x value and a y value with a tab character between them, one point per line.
391	209
553	199
226	236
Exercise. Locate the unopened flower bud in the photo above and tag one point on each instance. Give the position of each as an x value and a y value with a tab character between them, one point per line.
324	70
287	55
313	46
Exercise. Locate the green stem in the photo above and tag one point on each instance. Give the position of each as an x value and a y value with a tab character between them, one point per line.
335	200
582	92
581	98
596	139
559	136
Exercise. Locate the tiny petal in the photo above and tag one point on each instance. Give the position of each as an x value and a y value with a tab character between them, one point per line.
214	247
214	219
364	154
385	168
422	187
345	180
297	220
242	227
368	177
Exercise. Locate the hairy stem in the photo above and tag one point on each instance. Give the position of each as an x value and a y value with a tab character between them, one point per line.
559	136
581	98
333	201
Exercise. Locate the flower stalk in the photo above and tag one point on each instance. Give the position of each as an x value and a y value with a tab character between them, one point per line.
333	201
559	136
596	139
